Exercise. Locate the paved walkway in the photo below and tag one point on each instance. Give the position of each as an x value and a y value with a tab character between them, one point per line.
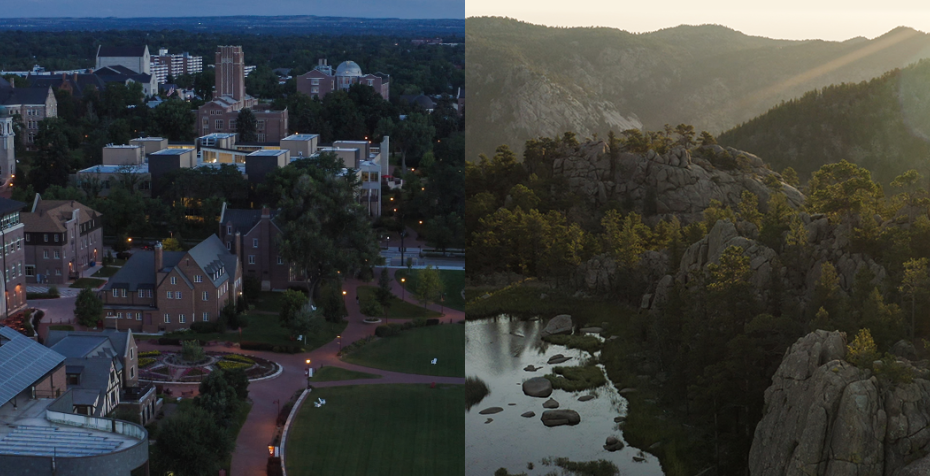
251	454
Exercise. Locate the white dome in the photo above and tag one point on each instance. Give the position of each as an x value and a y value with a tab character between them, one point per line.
348	68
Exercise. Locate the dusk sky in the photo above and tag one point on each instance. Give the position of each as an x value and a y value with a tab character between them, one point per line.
187	8
784	19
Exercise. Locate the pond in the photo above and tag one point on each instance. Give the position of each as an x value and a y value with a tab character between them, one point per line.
497	351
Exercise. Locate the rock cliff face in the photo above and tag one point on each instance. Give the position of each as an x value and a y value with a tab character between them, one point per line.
674	183
825	417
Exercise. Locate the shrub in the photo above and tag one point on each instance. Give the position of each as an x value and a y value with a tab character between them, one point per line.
238	358
227	365
150	353
583	342
577	378
191	351
863	351
249	345
53	291
384	331
206	327
251	287
145	361
419	322
432	321
371	307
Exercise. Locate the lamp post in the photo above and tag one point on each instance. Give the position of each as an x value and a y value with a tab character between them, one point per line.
339	338
402	281
308	373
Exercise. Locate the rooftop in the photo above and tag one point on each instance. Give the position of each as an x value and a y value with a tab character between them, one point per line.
112	169
303	137
23	361
172	151
218	135
123	146
121	51
269	152
146	139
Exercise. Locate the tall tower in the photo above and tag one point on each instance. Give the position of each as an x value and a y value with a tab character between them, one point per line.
7	153
230	72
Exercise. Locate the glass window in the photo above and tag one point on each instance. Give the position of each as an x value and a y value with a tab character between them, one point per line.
251	259
254	242
181	319
116	293
123	292
198	279
167	319
174	280
170	295
177	295
204	295
206	316
141	293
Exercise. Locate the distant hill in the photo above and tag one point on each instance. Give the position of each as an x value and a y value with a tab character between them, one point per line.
268	25
882	124
526	81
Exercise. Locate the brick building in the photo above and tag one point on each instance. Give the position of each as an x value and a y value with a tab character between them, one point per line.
62	237
321	80
168	290
229	97
32	104
254	233
13	258
7	149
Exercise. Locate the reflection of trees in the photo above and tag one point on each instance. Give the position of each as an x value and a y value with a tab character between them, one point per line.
491	346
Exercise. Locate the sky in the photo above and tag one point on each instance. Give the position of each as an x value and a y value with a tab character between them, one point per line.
187	8
834	20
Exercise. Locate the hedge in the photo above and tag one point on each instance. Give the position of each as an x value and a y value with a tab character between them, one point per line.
146	361
282	349
238	358
177	341
228	365
206	327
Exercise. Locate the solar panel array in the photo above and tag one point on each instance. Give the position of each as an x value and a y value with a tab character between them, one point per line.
50	441
23	361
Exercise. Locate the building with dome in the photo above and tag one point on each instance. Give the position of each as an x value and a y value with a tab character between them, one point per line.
322	80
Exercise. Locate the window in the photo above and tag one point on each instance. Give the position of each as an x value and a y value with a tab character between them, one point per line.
150	293
45	237
56	237
19	268
219	124
44	254
170	295
27	237
280	261
228	247
57	254
119	315
138	316
228	229
123	292
177	295
204	295
174	280
167	319
198	279
251	259
254	242
30	270
57	271
141	293
132	372
232	124
115	292
181	319
206	316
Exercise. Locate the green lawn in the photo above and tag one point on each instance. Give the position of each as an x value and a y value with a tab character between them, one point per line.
261	328
398	309
269	301
453	282
106	272
331	374
411	351
87	283
387	430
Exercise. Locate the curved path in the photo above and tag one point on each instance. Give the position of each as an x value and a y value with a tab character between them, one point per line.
251	454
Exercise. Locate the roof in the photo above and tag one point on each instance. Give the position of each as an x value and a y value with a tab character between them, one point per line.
51	215
302	137
79	82
23	361
112	169
10	206
80	346
211	255
348	68
33	96
269	152
121	51
139	270
419	99
94	382
172	151
118	339
244	219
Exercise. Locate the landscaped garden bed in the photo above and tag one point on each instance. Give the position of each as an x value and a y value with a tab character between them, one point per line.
168	366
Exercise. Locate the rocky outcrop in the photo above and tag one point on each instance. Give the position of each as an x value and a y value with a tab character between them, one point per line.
560	324
560	417
537	387
825	417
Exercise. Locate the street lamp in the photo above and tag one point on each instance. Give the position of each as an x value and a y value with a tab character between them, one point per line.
402	281
340	342
308	373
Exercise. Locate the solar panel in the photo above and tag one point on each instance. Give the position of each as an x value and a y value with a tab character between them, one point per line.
22	362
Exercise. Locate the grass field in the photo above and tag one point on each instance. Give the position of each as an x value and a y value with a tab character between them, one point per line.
87	283
107	272
411	351
332	374
386	430
453	282
398	309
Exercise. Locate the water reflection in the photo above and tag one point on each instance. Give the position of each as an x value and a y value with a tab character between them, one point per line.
496	351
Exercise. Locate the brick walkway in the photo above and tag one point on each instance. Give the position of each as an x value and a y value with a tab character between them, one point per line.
251	454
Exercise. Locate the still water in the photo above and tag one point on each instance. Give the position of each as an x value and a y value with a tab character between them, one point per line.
497	351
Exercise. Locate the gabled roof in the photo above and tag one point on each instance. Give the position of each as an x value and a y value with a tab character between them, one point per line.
23	361
121	51
31	96
244	219
51	215
81	346
118	339
211	254
139	270
94	382
78	82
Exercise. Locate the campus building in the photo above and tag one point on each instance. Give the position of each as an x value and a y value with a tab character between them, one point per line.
321	80
229	97
168	290
125	64
164	65
13	258
32	104
63	237
253	236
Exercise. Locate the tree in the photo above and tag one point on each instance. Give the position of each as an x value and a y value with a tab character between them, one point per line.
915	280
749	208
790	176
862	351
429	285
88	308
323	227
306	322
707	139
842	187
191	443
52	161
383	294
239	381
171	244
174	120
291	303
414	135
218	397
246	125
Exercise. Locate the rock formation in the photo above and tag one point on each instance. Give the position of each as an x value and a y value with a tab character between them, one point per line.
560	417
560	324
537	387
825	417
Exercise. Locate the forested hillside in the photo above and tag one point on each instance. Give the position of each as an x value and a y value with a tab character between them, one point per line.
527	80
882	124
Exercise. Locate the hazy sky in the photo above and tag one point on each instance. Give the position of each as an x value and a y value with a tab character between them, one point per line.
186	8
786	19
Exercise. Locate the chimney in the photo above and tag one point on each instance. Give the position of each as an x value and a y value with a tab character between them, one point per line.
159	257
237	244
75	77
266	212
